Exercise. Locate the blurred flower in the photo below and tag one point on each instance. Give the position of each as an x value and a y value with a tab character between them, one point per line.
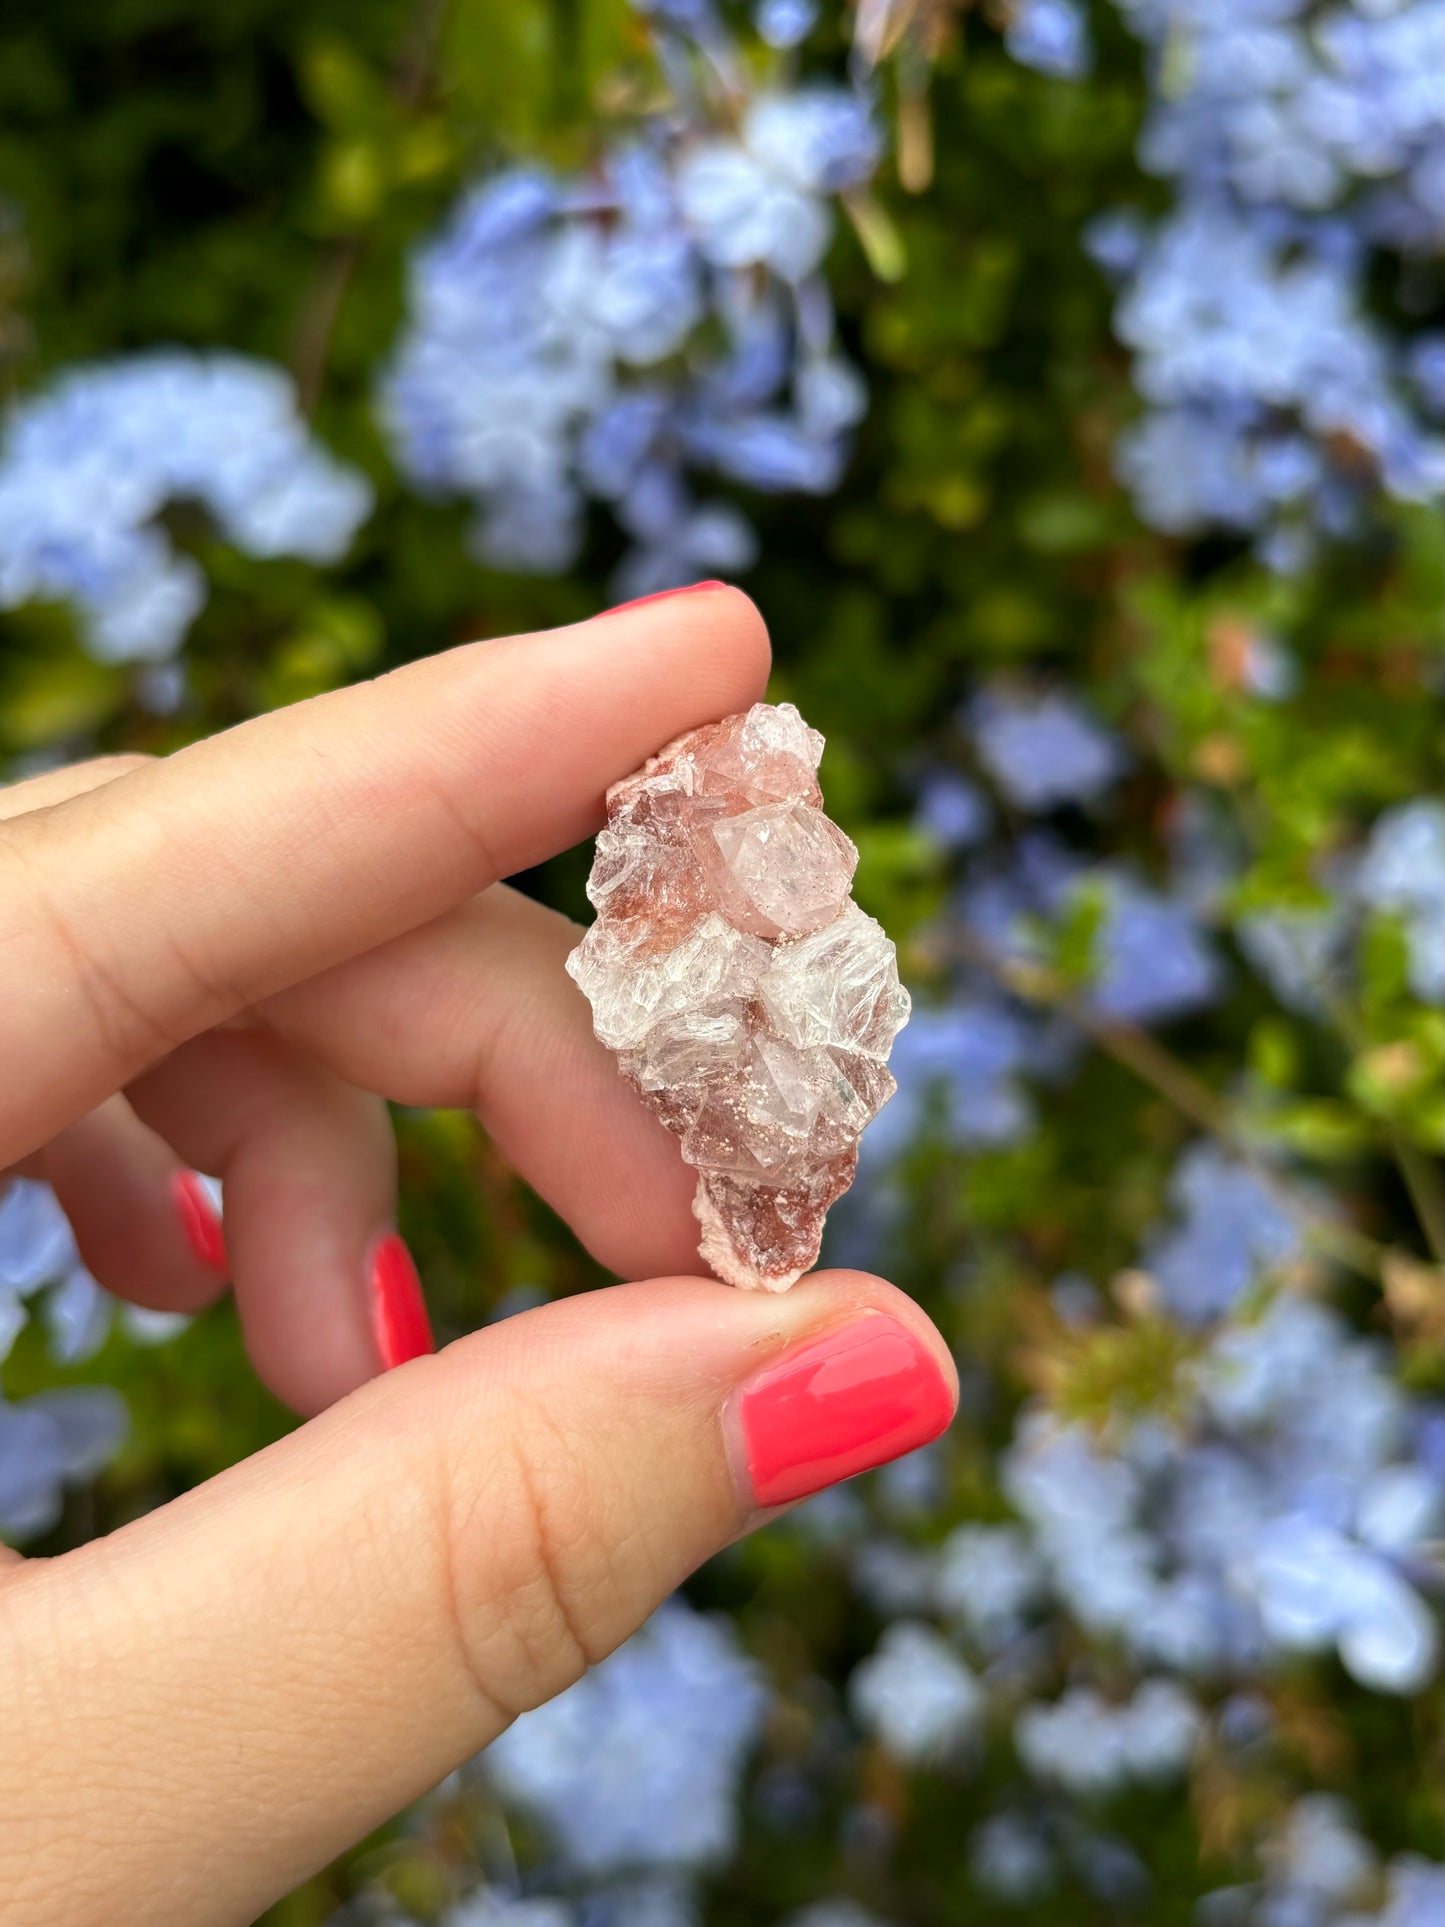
1090	1747
1276	404
87	466
499	1910
915	1693
834	1913
969	1055
656	1900
49	1441
1315	1587
1297	951
1052	35
1152	962
638	1762
953	810
604	337
1010	1858
989	1578
1043	751
35	1237
783	23
1232	1230
1404	872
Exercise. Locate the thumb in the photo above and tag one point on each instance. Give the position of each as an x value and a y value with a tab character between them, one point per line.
212	1703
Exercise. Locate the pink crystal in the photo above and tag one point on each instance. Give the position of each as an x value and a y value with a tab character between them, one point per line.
751	1003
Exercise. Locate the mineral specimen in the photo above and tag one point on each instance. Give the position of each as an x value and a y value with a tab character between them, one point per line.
751	1003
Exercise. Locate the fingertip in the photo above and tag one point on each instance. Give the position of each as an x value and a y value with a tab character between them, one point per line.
852	1293
752	644
717	636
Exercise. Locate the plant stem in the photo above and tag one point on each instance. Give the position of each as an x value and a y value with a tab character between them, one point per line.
321	305
1422	1181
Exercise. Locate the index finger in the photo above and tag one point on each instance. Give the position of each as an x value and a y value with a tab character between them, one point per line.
143	912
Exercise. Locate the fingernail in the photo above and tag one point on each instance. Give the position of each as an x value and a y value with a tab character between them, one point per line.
200	1220
692	588
398	1310
846	1400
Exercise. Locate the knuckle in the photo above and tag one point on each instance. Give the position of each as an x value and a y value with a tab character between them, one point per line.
105	769
528	1568
54	787
127	1031
135	1017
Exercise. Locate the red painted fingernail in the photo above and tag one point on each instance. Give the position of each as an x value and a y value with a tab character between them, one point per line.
200	1220
849	1399
691	588
398	1310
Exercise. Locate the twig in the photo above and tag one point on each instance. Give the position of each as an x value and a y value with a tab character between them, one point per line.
1422	1181
318	319
321	305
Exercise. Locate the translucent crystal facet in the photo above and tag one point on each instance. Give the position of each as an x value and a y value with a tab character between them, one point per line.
751	1003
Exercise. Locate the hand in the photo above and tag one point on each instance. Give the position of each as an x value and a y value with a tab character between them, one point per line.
228	960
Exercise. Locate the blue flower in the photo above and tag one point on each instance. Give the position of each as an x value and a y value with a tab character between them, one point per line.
50	1441
499	1910
35	1237
1404	873
1043	750
1051	35
638	1762
759	200
971	1053
1232	1230
1247	308
953	810
1091	1747
1152	962
1298	952
86	467
783	23
556	346
989	1579
1316	1587
915	1693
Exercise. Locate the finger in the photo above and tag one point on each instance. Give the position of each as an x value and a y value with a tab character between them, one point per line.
508	1033
135	916
233	1689
59	785
142	1222
309	1169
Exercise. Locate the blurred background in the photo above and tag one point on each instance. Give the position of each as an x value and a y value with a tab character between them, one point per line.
1065	382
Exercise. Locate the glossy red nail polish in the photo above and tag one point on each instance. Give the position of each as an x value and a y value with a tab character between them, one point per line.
846	1400
691	588
398	1310
200	1221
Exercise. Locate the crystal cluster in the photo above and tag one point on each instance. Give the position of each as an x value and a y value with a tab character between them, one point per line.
750	1002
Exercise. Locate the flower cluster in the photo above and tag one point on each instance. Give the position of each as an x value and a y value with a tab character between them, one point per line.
614	336
638	1764
87	467
63	1437
1303	141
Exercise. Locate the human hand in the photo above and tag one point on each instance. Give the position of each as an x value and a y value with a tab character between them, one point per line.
228	960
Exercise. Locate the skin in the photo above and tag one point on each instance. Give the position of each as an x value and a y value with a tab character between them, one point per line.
228	960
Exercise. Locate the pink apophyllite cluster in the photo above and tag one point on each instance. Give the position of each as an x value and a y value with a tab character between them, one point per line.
751	1003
